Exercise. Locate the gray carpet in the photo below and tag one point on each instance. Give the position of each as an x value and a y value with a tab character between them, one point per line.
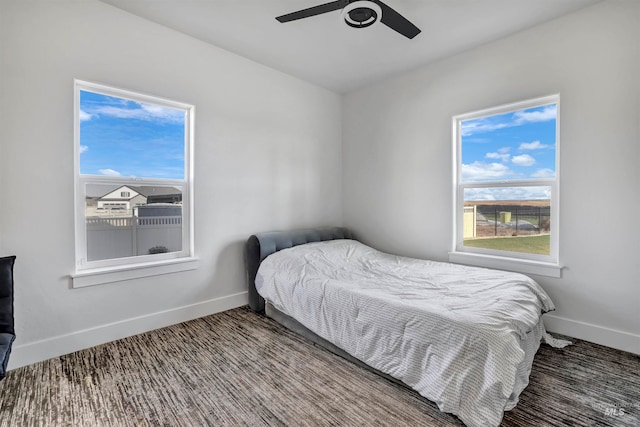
238	368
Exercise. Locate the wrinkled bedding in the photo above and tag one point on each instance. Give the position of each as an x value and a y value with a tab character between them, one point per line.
463	337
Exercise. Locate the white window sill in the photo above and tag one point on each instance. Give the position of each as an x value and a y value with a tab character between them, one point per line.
510	264
99	276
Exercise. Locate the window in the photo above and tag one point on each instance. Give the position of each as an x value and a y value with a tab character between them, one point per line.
133	184
506	187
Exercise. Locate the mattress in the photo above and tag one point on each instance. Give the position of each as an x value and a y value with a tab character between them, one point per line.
463	337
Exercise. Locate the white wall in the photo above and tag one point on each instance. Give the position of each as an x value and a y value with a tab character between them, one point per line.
267	149
397	165
269	156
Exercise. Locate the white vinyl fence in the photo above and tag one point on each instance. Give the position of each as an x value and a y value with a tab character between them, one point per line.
109	238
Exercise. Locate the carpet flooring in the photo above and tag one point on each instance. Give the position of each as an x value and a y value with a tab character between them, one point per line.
237	368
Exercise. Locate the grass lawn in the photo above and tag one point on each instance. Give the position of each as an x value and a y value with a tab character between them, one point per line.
538	244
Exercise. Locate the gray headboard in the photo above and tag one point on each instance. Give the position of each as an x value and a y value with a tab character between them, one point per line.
261	245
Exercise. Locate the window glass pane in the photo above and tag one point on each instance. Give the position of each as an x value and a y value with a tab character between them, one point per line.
127	220
515	145
122	137
516	219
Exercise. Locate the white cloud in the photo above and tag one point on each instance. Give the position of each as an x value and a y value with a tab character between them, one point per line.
480	126
478	171
547	113
109	172
147	112
84	116
504	157
507	193
83	148
544	173
523	160
162	112
491	123
134	110
534	145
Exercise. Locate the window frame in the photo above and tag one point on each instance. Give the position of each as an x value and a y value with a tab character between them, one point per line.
547	265
88	273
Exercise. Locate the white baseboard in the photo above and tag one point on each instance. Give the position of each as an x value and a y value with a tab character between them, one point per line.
37	351
597	334
26	354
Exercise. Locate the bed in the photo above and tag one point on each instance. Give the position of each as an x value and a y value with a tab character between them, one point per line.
463	337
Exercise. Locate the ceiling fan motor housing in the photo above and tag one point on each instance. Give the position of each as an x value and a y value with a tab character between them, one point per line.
361	13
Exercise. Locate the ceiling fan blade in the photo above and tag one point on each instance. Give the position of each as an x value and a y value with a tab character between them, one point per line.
312	11
397	22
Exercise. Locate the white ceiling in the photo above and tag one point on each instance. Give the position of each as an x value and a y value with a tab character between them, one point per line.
325	51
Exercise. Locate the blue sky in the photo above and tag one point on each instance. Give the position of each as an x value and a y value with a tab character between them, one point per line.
510	146
120	137
517	145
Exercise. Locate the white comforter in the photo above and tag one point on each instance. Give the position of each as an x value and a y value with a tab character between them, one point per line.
463	337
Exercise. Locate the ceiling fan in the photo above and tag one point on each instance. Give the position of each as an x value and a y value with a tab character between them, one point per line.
359	14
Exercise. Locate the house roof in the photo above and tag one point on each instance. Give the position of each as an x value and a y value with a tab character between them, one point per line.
155	191
98	190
